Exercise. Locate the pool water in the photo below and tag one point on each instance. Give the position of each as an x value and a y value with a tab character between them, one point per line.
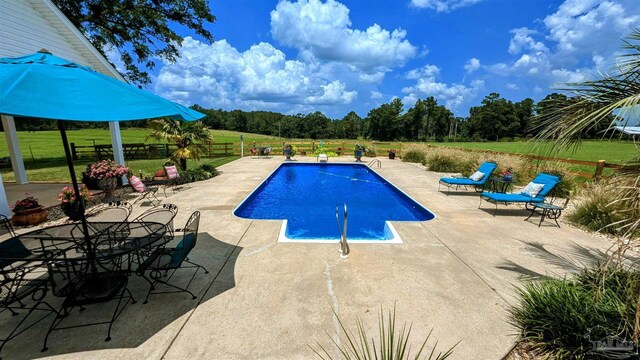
306	195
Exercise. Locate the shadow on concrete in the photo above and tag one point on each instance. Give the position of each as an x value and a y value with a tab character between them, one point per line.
506	211
163	315
461	193
572	260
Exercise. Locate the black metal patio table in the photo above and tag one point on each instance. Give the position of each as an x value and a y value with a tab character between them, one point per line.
66	242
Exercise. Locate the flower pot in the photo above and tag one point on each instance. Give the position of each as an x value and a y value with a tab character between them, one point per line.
358	155
392	155
33	216
73	210
160	178
108	185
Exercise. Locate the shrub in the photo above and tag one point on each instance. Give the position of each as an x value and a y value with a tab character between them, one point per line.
200	173
210	169
414	156
370	152
564	318
597	210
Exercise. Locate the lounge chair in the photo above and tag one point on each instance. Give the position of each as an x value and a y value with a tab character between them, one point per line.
486	168
547	181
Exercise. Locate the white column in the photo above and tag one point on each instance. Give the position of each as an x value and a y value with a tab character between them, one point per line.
4	203
116	143
14	149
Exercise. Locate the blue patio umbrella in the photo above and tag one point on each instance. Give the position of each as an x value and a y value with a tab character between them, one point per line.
45	86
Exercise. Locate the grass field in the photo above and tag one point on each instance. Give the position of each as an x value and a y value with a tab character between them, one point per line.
44	156
616	152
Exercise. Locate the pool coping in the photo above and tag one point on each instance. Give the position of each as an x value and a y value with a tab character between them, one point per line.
282	237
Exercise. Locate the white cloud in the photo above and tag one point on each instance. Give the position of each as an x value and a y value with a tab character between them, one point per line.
218	75
425	71
443	5
579	39
426	85
522	40
472	65
323	30
511	86
375	95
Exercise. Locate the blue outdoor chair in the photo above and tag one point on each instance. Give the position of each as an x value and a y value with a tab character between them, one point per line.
548	180
486	167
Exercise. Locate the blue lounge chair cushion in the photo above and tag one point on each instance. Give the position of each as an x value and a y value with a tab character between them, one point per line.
549	181
460	181
500	197
487	168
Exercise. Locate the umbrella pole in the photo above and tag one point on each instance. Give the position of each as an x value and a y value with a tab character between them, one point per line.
76	190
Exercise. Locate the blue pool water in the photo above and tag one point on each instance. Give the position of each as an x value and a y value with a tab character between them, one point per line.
306	196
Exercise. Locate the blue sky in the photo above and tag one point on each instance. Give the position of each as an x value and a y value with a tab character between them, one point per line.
337	56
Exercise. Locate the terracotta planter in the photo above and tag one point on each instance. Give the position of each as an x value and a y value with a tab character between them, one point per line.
33	216
160	178
73	210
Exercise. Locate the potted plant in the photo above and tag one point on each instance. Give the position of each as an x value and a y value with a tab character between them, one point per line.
70	207
507	174
392	154
289	151
358	150
28	211
107	173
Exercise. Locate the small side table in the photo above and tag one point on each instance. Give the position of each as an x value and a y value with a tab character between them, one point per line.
546	211
499	185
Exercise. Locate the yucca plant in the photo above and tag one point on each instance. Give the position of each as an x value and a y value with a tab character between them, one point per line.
392	344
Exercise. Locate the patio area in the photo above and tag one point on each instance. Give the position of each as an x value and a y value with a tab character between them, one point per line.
268	300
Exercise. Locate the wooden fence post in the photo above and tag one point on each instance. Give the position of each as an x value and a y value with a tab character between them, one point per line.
313	146
599	169
74	154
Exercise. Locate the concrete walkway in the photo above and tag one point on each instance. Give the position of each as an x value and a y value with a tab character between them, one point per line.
270	300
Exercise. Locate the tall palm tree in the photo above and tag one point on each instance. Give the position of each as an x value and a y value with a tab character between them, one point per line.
187	136
612	99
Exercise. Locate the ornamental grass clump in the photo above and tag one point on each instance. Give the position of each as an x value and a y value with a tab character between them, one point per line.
598	210
392	343
578	318
414	155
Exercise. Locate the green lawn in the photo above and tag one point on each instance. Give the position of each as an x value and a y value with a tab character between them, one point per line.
47	144
612	151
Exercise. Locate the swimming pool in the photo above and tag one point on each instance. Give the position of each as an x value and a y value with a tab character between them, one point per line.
305	195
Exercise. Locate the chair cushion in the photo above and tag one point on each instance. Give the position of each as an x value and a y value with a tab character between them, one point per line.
549	181
513	198
137	184
532	189
459	181
487	168
172	171
477	176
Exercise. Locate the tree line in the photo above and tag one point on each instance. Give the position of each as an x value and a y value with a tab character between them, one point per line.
494	119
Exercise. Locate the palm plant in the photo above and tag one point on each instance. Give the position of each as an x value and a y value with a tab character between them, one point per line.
187	136
612	99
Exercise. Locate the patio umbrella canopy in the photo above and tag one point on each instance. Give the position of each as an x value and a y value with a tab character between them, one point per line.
45	86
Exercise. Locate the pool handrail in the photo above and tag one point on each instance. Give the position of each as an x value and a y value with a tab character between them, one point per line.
344	245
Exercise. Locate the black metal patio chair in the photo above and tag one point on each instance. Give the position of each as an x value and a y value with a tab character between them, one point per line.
81	283
23	286
147	191
164	260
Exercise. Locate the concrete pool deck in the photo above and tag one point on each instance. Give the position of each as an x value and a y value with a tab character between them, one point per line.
270	300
